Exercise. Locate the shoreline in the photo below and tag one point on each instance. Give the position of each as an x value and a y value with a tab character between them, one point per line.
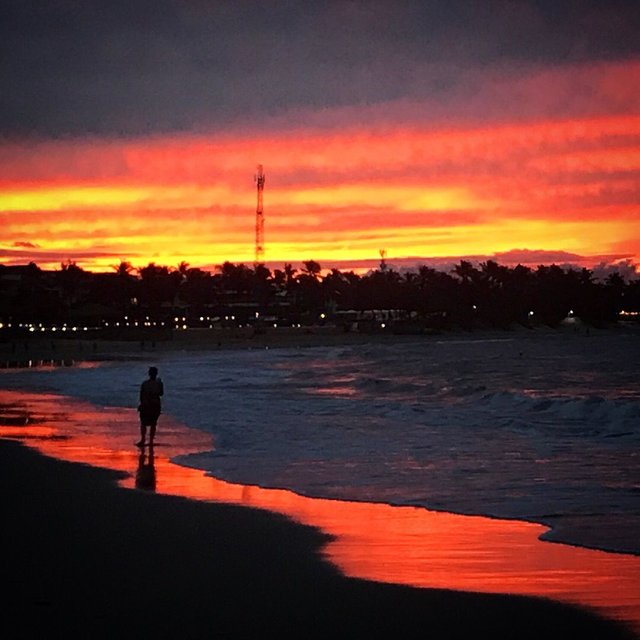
435	541
69	352
85	556
129	350
18	352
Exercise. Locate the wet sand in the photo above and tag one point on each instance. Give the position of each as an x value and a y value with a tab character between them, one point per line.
85	555
86	558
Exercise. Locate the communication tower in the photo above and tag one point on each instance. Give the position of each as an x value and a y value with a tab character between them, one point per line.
383	262
259	178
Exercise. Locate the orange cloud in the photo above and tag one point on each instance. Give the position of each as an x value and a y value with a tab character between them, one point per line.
553	184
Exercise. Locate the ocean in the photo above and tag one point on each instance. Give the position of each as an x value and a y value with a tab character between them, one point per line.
537	427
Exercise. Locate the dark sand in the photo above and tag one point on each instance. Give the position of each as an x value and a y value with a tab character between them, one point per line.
62	350
35	348
86	558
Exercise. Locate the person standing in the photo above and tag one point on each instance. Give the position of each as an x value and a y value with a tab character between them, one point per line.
151	391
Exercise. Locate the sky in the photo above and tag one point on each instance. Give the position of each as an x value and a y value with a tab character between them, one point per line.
430	131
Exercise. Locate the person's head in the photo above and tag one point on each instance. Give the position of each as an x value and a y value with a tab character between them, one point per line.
153	373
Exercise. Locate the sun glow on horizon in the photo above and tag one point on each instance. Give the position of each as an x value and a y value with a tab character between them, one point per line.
565	184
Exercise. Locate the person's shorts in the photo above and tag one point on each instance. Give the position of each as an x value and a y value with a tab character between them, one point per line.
149	417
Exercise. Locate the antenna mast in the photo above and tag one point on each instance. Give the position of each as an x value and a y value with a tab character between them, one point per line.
383	262
259	178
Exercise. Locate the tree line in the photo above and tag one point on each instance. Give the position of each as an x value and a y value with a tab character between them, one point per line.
488	295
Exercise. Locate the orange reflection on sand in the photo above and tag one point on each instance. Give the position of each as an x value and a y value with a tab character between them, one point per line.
407	545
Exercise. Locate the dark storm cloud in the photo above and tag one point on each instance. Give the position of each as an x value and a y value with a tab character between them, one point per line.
78	67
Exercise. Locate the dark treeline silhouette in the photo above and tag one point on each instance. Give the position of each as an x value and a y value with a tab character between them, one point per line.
485	296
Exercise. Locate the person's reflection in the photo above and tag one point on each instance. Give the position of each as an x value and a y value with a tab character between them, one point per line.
146	473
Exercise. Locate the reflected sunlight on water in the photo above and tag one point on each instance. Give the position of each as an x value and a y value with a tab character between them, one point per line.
409	545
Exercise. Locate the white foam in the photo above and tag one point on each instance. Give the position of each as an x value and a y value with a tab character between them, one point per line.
513	428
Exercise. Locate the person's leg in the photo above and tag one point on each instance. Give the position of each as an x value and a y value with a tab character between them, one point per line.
153	422
143	434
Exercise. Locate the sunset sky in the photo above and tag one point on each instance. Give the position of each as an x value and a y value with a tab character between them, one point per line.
433	130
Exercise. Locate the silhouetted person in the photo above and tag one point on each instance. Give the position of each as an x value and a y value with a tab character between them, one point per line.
150	392
146	473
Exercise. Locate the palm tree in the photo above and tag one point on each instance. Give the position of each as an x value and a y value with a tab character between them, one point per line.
71	277
466	272
262	286
312	269
308	286
125	294
124	269
157	287
183	269
197	290
290	274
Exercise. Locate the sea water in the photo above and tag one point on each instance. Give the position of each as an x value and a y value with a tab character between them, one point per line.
543	428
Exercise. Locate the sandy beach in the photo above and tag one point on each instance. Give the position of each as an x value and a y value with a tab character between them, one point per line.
84	557
34	348
80	346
